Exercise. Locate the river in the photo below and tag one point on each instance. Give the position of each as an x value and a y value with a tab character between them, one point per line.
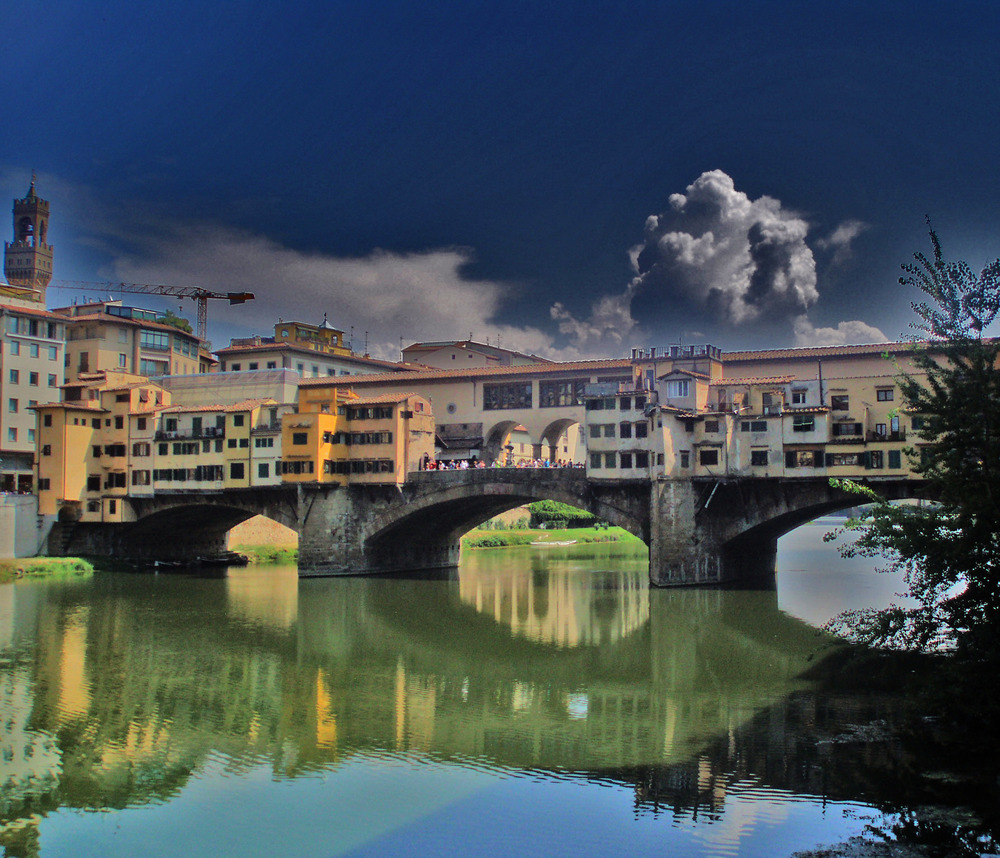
545	702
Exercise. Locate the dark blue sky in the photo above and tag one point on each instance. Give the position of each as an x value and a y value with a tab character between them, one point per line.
424	171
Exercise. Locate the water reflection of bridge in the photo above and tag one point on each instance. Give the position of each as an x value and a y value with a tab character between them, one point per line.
142	680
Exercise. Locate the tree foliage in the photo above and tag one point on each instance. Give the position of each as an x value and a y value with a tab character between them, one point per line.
175	321
949	551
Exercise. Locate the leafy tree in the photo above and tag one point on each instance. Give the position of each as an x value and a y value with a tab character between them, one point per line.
175	321
949	552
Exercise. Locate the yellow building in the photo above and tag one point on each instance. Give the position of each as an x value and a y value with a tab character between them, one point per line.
87	461
337	437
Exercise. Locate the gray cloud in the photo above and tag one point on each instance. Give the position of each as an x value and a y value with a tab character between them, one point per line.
840	240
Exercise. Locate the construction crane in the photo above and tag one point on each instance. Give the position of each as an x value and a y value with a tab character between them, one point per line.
199	295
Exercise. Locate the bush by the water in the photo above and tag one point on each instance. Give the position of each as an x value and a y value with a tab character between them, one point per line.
562	515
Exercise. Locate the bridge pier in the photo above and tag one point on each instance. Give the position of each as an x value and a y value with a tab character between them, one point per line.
691	542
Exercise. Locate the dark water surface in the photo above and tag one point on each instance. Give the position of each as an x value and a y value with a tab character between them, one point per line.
546	702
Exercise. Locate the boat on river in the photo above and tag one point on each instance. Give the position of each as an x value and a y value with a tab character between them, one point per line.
555	543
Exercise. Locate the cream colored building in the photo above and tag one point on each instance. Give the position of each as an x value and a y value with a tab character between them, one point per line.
826	412
108	336
466	354
31	373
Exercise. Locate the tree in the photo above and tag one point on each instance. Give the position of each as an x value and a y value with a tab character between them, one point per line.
949	551
175	321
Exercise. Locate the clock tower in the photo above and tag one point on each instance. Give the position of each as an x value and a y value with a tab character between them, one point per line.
27	260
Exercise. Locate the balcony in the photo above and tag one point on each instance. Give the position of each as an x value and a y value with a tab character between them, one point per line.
885	436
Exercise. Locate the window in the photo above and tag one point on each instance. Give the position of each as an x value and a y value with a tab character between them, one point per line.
625	430
231	443
803	459
156	340
263	470
263	442
711	427
875	460
626	460
47	420
52	380
238	419
33	350
803	423
625	403
170	424
677	389
15	348
641	430
841	430
511	395
595	460
708	457
880	430
15	376
916	423
140	478
884	394
609	430
595	430
753	426
140	424
235	367
300	438
758	458
609	460
798	397
641	459
53	353
44	484
236	470
244	442
685	458
552	394
252	365
840	403
119	421
46	449
122	360
895	459
33	379
12	406
272	364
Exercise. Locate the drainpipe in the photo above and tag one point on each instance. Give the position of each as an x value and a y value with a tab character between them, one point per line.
822	398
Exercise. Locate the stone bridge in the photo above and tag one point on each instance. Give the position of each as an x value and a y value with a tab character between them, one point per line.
701	531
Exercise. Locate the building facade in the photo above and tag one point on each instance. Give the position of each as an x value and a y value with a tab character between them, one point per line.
31	374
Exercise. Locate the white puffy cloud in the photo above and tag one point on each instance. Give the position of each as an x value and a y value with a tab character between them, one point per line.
846	333
737	257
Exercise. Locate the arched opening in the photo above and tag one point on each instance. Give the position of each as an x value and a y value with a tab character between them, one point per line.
25	229
562	442
498	446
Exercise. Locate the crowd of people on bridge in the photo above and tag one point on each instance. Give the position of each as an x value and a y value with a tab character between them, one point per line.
429	464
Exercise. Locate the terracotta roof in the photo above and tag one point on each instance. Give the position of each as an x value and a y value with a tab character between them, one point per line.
245	405
379	400
41	314
822	351
777	379
229	351
470	373
89	405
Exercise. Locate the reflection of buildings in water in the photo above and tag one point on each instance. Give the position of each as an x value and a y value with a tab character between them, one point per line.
559	607
268	597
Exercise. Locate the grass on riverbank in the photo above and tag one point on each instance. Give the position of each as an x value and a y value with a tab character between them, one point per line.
279	555
44	567
508	538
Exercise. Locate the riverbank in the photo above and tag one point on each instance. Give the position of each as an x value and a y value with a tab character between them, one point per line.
510	538
44	567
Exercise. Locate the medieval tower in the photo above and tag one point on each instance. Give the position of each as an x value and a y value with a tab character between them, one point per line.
27	260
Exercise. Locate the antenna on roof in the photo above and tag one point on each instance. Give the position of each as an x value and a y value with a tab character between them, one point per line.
352	339
400	349
366	345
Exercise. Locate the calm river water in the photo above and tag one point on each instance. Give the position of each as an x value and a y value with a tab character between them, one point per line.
546	702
